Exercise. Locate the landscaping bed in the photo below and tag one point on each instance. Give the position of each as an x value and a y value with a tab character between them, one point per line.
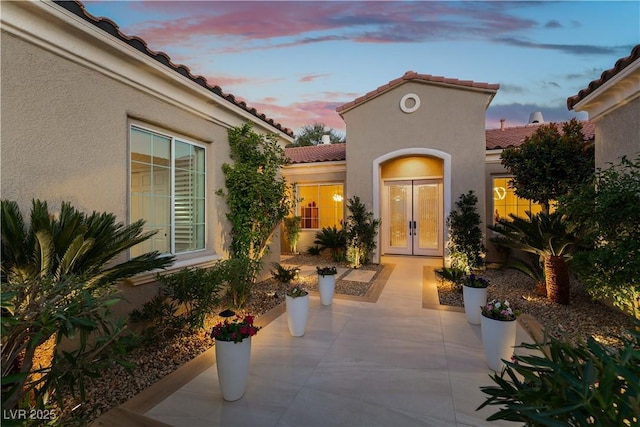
155	361
578	321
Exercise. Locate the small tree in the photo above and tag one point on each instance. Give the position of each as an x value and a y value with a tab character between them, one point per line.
292	229
549	163
257	197
361	230
312	135
607	214
547	237
465	236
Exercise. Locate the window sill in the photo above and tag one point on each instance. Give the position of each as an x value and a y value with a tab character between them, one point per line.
149	277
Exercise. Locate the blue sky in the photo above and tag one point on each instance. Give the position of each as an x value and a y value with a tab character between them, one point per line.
296	61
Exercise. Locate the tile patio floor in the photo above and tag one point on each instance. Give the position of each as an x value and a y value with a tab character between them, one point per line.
392	363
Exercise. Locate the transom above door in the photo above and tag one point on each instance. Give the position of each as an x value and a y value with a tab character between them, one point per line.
412	217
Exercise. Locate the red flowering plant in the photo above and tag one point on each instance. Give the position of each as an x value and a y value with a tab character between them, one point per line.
235	330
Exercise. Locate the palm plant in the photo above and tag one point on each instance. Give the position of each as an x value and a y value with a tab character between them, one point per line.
546	236
333	239
57	281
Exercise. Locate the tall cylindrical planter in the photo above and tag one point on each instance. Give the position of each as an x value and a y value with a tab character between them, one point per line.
232	363
498	340
297	314
474	299
326	287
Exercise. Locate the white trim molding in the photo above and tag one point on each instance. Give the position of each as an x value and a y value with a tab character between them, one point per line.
417	151
621	89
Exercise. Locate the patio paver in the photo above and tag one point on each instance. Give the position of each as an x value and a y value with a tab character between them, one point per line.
399	361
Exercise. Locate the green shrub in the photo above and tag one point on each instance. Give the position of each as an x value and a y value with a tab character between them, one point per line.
572	385
284	274
186	298
606	214
455	275
240	275
292	229
333	239
58	281
465	236
361	230
314	250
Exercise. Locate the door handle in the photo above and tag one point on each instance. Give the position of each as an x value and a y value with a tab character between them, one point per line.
414	228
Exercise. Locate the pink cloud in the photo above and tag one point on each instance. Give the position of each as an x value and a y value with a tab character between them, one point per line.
296	115
311	77
313	22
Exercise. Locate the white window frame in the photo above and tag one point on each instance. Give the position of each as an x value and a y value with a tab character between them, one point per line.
318	184
173	136
493	204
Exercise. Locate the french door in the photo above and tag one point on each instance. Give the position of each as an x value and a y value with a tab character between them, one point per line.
412	221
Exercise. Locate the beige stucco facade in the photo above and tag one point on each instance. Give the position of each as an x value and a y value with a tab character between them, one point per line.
614	108
448	126
69	95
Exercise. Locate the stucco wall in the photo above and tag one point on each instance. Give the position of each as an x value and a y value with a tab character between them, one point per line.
333	172
65	138
449	120
65	132
618	134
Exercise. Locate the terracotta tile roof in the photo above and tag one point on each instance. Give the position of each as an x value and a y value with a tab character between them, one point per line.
495	139
317	153
607	75
412	75
108	26
514	136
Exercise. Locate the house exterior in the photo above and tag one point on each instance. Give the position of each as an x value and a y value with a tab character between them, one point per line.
94	117
414	146
323	176
613	105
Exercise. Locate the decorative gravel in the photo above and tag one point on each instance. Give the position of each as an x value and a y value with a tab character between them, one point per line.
116	385
580	319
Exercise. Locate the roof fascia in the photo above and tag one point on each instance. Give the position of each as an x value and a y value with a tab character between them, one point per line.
491	92
315	168
64	34
620	89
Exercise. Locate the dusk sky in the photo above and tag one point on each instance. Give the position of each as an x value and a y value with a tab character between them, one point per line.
296	61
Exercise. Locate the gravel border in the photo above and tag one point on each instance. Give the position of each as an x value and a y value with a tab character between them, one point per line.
581	319
578	321
116	385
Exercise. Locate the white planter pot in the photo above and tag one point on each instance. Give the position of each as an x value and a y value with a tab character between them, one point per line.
498	340
326	287
297	314
474	299
232	363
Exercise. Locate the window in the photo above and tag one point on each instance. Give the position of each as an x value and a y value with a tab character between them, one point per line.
506	202
321	205
167	191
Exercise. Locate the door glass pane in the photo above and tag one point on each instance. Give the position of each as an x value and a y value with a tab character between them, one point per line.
398	220
428	215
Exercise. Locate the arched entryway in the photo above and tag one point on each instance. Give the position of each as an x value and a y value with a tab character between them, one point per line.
412	200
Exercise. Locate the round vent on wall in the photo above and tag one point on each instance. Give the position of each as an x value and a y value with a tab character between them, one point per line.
410	103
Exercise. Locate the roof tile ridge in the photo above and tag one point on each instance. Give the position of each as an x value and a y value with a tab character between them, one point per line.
142	46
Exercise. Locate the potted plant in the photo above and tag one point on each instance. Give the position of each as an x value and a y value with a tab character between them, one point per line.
474	293
297	303
326	283
233	351
498	330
